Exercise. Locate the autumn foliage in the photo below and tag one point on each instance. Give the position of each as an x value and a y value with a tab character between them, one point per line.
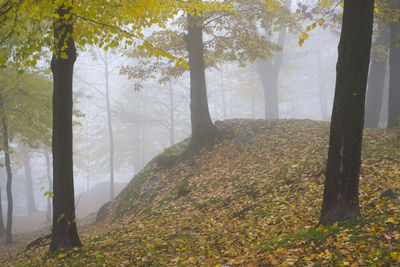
252	199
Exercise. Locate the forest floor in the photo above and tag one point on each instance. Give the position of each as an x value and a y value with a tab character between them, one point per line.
253	199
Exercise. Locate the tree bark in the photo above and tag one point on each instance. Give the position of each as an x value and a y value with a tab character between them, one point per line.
6	148
340	201
203	129
64	231
394	80
109	123
2	228
376	82
269	75
30	196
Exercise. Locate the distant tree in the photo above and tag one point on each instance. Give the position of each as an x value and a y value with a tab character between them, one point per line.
25	114
2	228
206	38
376	78
340	200
394	63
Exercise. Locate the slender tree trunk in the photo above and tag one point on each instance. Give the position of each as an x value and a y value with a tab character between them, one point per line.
223	94
64	231
253	106
340	200
138	147
110	130
30	196
2	228
394	80
269	74
376	81
321	85
9	173
49	180
172	115
9	182
203	130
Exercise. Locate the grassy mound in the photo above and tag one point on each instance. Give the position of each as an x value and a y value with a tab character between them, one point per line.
252	200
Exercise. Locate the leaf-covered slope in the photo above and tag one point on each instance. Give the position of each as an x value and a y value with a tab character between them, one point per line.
252	199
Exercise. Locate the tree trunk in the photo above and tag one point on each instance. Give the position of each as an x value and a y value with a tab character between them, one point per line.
376	82
394	81
2	228
109	123
30	197
321	85
64	231
269	75
138	148
340	200
223	98
172	114
50	185
9	183
9	174
203	130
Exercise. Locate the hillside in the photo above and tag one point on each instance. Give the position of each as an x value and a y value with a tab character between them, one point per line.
251	200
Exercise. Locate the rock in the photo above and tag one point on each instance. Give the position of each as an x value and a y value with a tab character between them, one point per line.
389	194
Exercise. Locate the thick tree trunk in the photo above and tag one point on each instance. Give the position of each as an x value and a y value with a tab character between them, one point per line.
269	75
109	123
376	82
64	231
2	228
394	80
203	130
30	196
340	200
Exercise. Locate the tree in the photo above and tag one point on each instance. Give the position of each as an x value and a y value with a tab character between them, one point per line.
64	231
376	78
206	37
340	201
25	114
2	228
394	63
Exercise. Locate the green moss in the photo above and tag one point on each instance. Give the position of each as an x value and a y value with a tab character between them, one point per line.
183	188
131	193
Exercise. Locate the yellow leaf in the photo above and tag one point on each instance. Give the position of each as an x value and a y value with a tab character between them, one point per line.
329	3
270	8
322	3
304	36
308	28
342	5
314	25
61	255
321	22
